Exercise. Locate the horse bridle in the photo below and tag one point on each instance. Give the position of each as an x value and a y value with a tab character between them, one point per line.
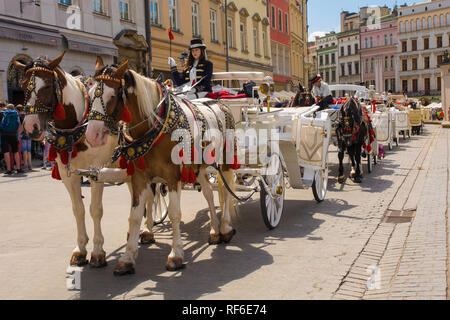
109	120
39	106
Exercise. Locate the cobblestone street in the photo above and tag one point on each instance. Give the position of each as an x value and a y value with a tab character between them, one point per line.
386	238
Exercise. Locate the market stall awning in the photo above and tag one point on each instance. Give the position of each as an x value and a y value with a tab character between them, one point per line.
83	44
25	32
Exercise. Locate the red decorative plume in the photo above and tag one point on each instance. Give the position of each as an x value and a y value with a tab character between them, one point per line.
59	113
171	36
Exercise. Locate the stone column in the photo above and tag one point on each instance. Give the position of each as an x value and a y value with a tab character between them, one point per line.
445	87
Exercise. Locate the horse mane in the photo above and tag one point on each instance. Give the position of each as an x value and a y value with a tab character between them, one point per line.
147	94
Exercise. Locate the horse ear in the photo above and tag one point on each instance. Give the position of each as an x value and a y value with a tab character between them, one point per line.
121	70
19	65
99	65
53	64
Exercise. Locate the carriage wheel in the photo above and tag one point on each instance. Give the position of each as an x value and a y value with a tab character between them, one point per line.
320	184
272	204
369	163
160	203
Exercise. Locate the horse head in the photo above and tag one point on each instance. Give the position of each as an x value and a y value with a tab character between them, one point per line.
43	84
108	97
350	121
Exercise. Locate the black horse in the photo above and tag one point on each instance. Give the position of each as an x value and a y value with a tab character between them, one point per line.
303	99
351	134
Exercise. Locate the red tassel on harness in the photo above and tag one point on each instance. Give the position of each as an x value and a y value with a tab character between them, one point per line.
371	132
236	165
192	176
126	116
74	152
130	168
59	113
184	175
123	163
64	157
141	163
52	154
369	148
55	173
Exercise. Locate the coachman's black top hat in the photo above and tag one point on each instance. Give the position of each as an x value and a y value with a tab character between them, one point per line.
197	43
315	78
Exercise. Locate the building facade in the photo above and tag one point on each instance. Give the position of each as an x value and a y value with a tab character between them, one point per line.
424	34
280	44
378	51
348	49
312	65
327	54
84	28
188	19
248	33
299	40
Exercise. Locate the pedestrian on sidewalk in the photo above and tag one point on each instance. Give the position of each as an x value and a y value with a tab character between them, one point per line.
45	161
25	141
9	128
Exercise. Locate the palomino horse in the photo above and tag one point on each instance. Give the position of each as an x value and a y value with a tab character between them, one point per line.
351	135
123	94
58	103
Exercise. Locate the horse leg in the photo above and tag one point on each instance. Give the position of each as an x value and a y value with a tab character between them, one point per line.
147	236
341	154
175	259
357	157
73	186
351	153
98	255
226	231
214	234
141	190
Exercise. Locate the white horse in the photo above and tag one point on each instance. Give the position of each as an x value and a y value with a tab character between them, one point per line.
48	88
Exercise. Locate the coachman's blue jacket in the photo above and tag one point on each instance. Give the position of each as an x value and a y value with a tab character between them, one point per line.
204	68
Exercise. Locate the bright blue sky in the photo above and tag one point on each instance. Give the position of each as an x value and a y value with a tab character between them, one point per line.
323	15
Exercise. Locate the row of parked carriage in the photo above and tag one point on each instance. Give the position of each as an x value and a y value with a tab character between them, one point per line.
117	130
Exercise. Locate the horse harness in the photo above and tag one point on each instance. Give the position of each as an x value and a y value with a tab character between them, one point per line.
98	94
31	88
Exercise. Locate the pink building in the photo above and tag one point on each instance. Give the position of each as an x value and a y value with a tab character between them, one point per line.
378	49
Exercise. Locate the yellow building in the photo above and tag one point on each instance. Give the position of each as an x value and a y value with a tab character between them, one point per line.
188	19
248	32
299	41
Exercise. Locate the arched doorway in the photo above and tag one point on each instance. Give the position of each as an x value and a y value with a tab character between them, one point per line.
132	47
14	78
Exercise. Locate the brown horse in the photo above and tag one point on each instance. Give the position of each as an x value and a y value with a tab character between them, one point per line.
123	94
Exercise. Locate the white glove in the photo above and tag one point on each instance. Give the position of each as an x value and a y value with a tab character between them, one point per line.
186	88
172	62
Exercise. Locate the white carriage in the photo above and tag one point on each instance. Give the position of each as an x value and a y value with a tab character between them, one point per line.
384	127
401	124
297	149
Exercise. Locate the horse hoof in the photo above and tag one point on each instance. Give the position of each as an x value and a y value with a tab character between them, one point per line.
78	259
147	238
341	179
124	268
214	239
174	264
225	238
98	261
357	179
